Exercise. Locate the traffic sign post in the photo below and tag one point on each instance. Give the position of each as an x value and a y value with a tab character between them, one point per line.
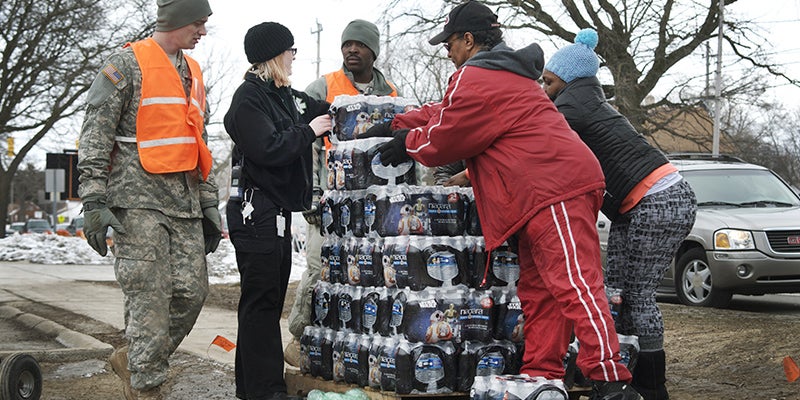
54	184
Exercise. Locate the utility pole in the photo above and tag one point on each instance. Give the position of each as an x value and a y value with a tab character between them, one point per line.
318	60
707	91
718	83
10	154
387	64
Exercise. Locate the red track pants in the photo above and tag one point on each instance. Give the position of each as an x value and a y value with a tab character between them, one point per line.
561	289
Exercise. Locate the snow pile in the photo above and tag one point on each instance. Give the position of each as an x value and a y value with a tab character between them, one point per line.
49	249
53	249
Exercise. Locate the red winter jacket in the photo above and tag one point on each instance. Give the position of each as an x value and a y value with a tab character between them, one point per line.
521	153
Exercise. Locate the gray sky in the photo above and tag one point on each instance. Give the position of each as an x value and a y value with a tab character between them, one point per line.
779	22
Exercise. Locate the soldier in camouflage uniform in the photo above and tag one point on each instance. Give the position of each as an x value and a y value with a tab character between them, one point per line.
164	223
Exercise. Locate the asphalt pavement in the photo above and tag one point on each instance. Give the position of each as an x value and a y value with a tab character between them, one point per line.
75	288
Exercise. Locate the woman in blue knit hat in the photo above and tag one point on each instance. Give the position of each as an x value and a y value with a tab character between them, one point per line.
650	206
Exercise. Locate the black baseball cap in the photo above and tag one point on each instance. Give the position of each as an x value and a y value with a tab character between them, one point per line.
471	16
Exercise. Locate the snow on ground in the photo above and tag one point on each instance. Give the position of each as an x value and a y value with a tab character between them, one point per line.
53	249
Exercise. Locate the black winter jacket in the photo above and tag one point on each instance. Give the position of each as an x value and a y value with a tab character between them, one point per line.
273	140
624	154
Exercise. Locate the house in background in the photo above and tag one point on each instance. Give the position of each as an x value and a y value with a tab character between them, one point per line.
685	129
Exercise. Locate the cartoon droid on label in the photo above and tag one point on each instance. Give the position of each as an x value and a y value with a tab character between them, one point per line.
353	272
389	272
439	329
363	123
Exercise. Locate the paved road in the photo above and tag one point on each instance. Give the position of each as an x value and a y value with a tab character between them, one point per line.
75	288
788	304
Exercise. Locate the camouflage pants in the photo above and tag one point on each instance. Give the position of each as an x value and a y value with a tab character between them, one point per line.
300	316
161	268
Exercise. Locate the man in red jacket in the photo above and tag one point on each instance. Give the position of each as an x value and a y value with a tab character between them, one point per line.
534	179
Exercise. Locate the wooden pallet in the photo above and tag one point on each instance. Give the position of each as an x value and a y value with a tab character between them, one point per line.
299	385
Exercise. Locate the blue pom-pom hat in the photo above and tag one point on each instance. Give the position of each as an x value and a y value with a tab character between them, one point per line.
577	60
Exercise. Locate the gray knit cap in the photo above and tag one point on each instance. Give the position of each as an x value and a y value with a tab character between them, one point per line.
174	14
365	32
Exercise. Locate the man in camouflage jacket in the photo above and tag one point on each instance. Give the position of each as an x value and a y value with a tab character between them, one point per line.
164	223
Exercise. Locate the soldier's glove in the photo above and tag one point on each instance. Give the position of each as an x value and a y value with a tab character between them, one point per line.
212	228
383	129
394	151
313	215
96	220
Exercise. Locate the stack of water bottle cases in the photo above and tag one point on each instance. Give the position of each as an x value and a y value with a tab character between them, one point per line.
408	300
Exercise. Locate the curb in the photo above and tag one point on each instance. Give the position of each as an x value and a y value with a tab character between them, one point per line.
79	346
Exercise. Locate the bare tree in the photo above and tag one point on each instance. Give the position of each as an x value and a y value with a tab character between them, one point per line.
422	74
51	52
216	75
770	140
641	43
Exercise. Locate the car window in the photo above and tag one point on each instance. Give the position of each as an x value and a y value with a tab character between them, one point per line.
38	223
740	188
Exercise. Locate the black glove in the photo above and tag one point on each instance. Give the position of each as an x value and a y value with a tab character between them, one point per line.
384	129
97	218
394	151
212	228
313	215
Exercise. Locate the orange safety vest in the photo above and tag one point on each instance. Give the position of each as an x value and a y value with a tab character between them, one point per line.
338	84
169	126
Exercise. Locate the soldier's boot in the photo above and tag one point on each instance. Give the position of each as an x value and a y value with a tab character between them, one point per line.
291	354
149	394
649	375
119	363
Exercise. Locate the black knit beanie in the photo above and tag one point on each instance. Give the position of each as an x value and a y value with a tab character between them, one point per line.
265	41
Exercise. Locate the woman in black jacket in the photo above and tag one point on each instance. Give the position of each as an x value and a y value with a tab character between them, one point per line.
650	206
273	127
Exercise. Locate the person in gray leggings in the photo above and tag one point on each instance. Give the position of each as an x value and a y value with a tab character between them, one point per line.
650	206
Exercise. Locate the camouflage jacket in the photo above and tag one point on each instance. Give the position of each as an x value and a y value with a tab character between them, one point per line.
111	168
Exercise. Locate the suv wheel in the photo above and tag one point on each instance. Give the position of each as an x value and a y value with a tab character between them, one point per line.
694	284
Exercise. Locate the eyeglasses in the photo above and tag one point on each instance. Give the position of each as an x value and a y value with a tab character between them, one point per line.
449	44
293	50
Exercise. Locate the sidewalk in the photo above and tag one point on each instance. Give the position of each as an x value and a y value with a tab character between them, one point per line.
71	287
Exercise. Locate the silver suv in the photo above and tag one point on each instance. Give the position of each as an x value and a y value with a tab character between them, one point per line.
746	239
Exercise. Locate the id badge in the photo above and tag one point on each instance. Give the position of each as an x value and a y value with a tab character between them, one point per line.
280	222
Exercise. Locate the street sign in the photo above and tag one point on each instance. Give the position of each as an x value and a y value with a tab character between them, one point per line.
54	180
67	161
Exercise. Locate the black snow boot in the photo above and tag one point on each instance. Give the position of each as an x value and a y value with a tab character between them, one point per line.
613	391
650	375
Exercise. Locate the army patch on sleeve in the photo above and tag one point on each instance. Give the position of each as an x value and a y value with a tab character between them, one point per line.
112	73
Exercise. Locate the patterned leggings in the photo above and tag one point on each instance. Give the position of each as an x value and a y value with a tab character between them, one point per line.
641	245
